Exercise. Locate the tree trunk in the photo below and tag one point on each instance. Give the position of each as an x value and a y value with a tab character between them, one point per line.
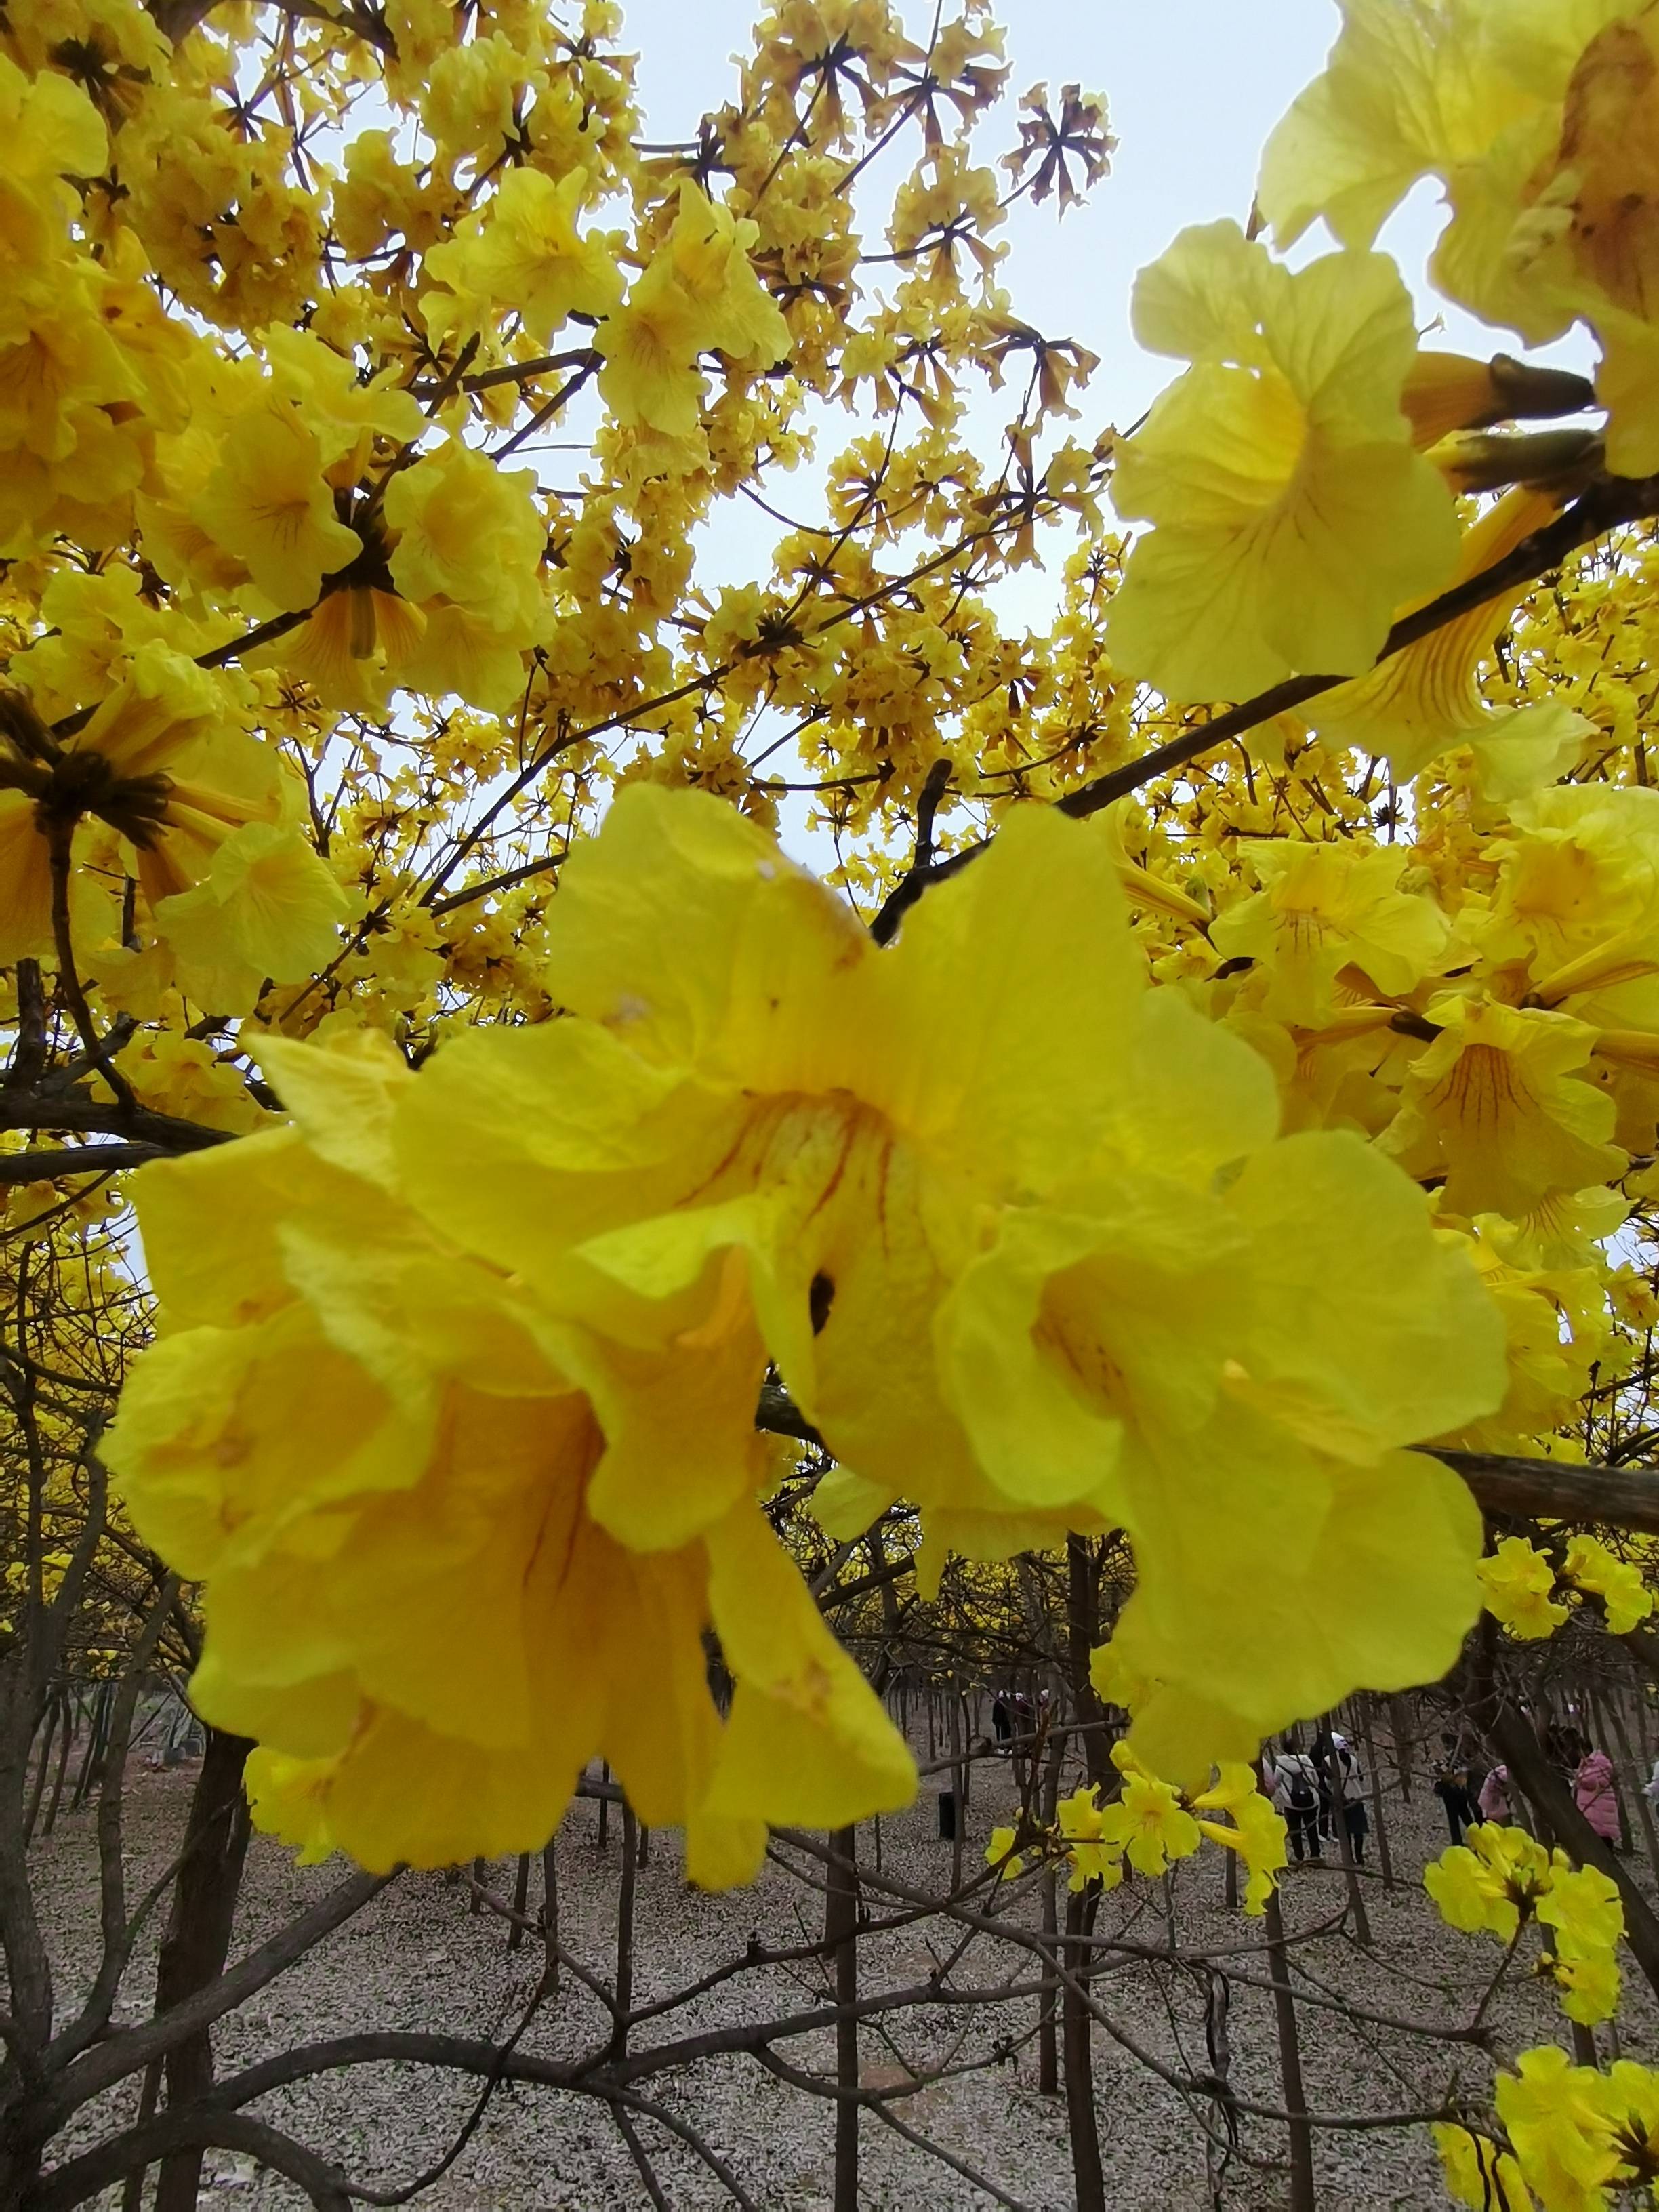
624	1991
521	1902
841	1925
1082	1634
197	1939
45	1740
66	1742
1384	1856
551	1914
1303	2196
1399	1728
1081	2119
1048	2003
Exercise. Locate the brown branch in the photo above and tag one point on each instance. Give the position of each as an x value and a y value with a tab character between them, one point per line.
76	1112
90	1159
198	2127
1559	1490
1604	507
131	2049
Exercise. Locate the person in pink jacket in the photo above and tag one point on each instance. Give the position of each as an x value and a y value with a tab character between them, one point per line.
1597	1797
1495	1795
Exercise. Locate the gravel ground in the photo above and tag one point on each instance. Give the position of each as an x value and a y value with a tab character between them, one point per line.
416	1958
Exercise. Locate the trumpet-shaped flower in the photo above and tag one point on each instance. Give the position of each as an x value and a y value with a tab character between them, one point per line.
1490	1882
1000	1853
1094	1852
1292	513
1322	908
698	293
1147	1822
1518	1583
266	908
1581	1906
468	533
526	253
379	1454
1631	2100
1498	1104
269	505
1553	2113
1590	1567
1478	2173
1425	699
160	761
1020	1273
51	131
1254	1829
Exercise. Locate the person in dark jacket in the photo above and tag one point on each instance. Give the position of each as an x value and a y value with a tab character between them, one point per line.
1451	1787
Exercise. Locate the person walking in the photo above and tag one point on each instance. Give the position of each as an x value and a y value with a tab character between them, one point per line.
1495	1796
1293	1786
1595	1792
1348	1790
1451	1787
1002	1722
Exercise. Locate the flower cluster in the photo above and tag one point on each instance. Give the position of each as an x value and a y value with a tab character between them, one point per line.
1147	1826
1571	2135
1503	1879
1034	1260
1521	1582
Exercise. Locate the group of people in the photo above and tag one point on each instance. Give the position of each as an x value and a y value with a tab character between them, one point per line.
1313	1788
1470	1794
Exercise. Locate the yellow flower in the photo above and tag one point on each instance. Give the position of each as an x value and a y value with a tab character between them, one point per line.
699	293
999	1852
1424	701
1293	515
358	641
1582	1903
1578	900
1552	2112
468	533
1147	1822
1096	1854
650	344
1322	908
1557	1328
1519	1583
1631	2100
528	254
1490	1881
1543	123
1477	2172
1499	1106
50	131
1257	1831
1025	1279
1586	1985
375	1452
1590	1567
269	505
266	908
160	761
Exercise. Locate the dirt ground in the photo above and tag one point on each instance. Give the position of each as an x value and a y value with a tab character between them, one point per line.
417	1957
